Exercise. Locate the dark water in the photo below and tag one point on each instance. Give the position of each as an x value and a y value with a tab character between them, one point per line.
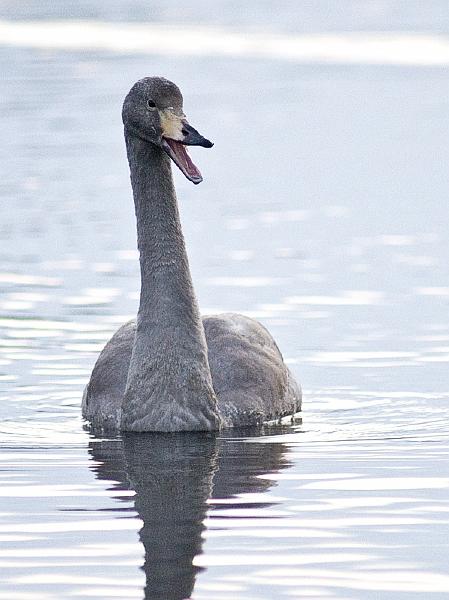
323	213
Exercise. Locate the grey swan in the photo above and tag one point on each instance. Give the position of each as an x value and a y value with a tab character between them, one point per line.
169	369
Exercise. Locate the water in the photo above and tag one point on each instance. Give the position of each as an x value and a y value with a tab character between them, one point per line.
323	213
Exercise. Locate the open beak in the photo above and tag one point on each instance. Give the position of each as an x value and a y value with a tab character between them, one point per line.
186	135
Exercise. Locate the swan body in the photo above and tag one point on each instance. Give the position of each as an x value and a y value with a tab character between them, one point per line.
249	377
170	369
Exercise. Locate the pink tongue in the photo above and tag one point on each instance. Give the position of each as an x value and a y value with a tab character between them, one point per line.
183	159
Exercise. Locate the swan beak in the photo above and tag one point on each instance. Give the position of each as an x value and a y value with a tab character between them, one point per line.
174	143
193	138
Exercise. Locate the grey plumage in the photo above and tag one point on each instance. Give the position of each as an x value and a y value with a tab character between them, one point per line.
170	370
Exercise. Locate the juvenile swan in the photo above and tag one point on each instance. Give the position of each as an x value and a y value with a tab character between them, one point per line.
170	369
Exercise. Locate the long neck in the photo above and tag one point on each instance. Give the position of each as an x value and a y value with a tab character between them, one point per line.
167	296
170	342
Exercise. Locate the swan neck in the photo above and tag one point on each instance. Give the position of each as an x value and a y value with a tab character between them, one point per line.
163	258
169	385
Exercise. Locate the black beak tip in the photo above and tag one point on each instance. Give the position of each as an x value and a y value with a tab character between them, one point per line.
193	138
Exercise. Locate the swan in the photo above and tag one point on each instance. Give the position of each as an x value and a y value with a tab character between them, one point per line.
169	369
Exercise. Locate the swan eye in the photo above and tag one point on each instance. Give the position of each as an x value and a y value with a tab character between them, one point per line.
151	104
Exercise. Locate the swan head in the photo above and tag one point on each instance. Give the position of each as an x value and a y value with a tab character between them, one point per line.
153	111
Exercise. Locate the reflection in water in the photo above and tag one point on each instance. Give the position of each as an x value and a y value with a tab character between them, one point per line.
175	477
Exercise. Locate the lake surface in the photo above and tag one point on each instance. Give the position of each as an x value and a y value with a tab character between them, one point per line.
323	213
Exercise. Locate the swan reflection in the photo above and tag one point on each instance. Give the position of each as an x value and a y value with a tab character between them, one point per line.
175	477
